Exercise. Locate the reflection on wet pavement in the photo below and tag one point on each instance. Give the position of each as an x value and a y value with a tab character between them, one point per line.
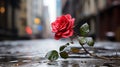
71	62
31	54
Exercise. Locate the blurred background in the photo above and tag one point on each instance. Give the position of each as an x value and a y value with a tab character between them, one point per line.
25	26
31	19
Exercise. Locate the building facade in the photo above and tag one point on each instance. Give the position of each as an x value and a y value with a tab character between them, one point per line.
8	19
101	15
35	17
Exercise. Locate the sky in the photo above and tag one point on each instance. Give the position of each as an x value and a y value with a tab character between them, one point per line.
52	8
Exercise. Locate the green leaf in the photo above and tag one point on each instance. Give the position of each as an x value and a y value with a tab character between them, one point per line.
84	29
52	55
64	54
67	44
90	41
82	40
64	46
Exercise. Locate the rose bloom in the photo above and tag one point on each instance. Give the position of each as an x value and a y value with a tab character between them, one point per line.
63	26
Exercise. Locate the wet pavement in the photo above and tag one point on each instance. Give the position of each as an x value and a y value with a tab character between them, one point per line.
30	53
70	62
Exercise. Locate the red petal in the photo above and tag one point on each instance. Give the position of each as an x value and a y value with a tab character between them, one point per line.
68	16
57	36
71	24
54	29
67	33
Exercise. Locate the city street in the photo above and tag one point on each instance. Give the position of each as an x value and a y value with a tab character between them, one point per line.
31	53
41	47
27	29
34	47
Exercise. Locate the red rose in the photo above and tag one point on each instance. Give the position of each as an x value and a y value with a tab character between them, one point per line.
63	26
